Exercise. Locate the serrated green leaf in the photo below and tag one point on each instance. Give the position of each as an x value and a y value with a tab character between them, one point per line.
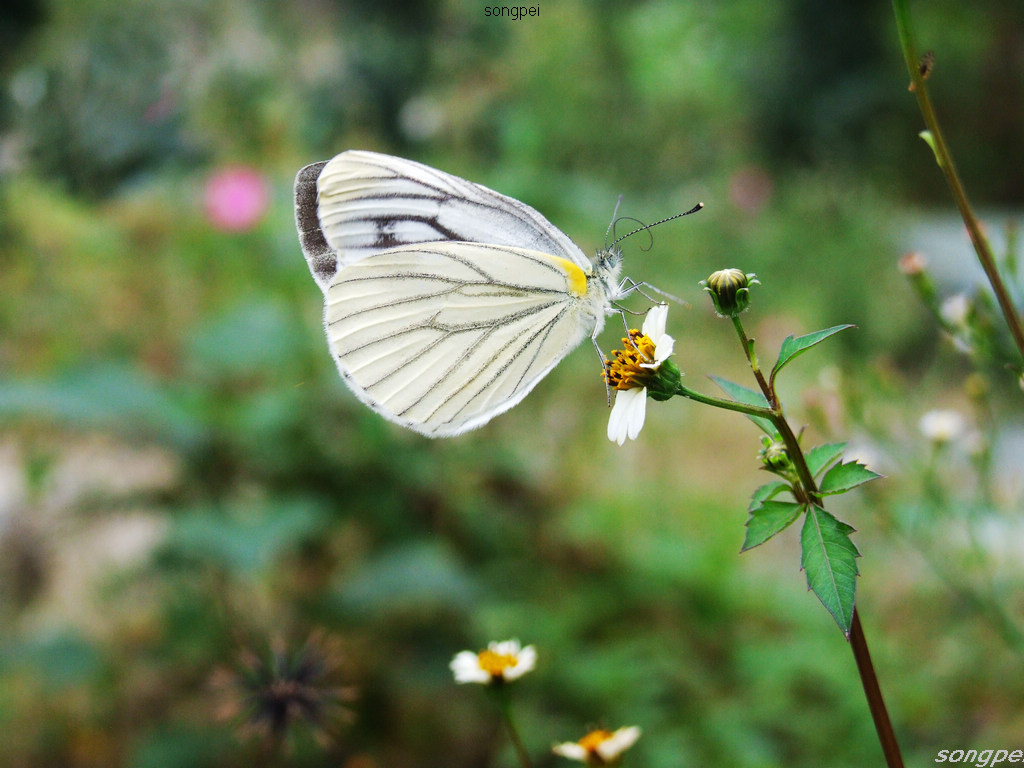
765	492
829	559
791	347
747	396
820	456
768	519
843	477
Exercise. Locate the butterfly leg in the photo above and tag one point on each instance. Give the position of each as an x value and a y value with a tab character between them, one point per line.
629	285
605	363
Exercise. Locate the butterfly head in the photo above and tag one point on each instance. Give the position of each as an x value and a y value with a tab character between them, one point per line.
607	265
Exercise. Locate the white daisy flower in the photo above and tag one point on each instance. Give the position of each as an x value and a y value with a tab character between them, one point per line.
633	370
501	662
599	747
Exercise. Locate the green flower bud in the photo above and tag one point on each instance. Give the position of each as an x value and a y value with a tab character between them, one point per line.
774	456
730	290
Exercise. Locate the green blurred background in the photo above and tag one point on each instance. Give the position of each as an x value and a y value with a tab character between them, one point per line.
186	485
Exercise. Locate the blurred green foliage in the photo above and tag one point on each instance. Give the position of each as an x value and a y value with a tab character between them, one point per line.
164	377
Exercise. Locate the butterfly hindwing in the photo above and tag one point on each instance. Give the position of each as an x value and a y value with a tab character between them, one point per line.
442	337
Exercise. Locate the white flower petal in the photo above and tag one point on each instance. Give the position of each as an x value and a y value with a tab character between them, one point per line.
618	742
504	647
526	660
528	657
636	412
466	668
627	416
617	420
663	348
662	351
654	323
571	750
654	329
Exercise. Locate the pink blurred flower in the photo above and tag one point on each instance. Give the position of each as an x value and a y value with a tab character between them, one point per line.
750	189
236	198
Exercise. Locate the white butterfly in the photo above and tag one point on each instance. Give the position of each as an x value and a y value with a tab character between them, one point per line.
444	302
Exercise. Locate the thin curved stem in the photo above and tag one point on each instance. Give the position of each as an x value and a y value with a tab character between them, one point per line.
748	350
729	405
513	733
944	158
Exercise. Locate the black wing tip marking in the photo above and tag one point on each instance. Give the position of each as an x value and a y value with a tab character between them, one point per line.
308	175
323	261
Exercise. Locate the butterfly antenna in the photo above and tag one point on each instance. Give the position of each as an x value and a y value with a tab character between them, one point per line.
642	228
647	227
612	223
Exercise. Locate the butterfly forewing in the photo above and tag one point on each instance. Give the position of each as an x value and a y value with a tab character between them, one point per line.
443	337
370	202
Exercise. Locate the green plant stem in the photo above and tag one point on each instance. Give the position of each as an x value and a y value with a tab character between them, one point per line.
796	455
729	405
748	350
873	693
809	489
778	418
513	732
948	168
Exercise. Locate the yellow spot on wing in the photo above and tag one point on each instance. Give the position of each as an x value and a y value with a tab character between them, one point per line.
574	276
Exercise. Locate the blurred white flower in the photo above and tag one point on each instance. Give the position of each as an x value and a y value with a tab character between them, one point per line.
501	662
599	747
942	426
956	310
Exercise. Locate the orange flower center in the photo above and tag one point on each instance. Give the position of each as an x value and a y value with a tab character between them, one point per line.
496	663
625	371
594	739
